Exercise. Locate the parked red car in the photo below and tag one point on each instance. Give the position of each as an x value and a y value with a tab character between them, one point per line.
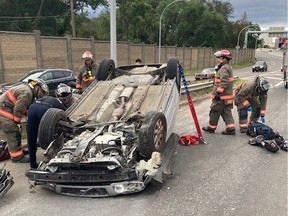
207	73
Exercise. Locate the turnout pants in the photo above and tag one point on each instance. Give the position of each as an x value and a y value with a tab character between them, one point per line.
243	113
13	136
217	109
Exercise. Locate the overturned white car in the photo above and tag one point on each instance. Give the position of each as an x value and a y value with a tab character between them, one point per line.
116	137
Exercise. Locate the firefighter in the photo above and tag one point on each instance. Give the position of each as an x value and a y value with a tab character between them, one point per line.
87	72
251	95
222	95
14	104
62	101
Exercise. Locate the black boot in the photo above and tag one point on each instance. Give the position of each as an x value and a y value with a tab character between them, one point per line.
208	129
228	132
243	130
33	165
22	159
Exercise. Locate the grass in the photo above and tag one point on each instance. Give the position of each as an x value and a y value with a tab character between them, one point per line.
239	66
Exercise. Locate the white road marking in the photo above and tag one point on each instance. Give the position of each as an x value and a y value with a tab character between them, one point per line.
280	83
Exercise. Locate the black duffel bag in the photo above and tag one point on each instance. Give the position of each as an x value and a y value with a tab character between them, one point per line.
256	128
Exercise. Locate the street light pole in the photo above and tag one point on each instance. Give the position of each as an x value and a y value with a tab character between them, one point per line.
159	52
113	37
238	47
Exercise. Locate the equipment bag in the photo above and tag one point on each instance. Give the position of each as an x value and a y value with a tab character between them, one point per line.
256	128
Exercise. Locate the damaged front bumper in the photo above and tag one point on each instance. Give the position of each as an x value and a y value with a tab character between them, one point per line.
94	181
89	184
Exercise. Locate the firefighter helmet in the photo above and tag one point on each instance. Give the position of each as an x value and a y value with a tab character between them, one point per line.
63	91
223	53
41	83
264	85
87	55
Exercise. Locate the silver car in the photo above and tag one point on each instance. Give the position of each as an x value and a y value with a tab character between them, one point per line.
116	137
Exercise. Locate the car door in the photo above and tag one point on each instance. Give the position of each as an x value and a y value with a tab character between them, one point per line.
59	76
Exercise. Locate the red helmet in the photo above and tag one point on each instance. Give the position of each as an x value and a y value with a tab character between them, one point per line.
87	55
223	53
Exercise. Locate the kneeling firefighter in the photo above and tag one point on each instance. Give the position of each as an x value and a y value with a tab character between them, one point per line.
13	106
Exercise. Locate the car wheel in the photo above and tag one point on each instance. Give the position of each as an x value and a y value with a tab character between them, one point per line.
286	85
106	68
48	129
152	134
172	71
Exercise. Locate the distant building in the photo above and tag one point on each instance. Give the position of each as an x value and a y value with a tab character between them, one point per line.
275	39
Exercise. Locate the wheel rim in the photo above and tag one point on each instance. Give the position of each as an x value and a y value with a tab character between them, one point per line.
158	134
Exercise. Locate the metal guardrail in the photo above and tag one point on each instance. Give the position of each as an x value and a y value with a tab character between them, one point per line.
197	86
200	86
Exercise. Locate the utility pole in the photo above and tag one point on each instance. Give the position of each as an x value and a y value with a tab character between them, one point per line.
36	23
73	25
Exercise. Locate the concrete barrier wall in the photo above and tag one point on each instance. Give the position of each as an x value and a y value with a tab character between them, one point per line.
22	52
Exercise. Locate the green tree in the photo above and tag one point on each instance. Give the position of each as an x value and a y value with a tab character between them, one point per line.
193	25
51	17
137	21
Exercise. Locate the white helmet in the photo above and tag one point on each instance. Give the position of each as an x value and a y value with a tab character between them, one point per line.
63	91
41	83
87	55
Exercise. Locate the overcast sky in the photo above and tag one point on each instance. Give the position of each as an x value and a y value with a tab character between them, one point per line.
266	13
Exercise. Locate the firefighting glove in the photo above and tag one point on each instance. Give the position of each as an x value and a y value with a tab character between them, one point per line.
217	97
78	86
262	119
249	108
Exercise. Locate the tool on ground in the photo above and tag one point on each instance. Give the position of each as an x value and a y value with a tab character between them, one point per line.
192	139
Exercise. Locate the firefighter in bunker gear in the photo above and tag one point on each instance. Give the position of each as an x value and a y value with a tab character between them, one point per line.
62	101
222	95
251	93
13	106
87	72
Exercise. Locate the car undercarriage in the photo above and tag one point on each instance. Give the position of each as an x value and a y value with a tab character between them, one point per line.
116	137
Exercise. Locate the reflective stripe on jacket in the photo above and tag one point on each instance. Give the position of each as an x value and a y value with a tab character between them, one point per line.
15	102
246	91
223	83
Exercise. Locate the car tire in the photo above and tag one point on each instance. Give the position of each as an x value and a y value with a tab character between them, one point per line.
286	85
48	130
105	69
152	134
172	71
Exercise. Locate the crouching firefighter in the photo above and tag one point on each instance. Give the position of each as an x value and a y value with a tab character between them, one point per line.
13	106
251	94
222	95
62	101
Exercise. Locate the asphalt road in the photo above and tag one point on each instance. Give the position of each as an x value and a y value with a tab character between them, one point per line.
226	177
